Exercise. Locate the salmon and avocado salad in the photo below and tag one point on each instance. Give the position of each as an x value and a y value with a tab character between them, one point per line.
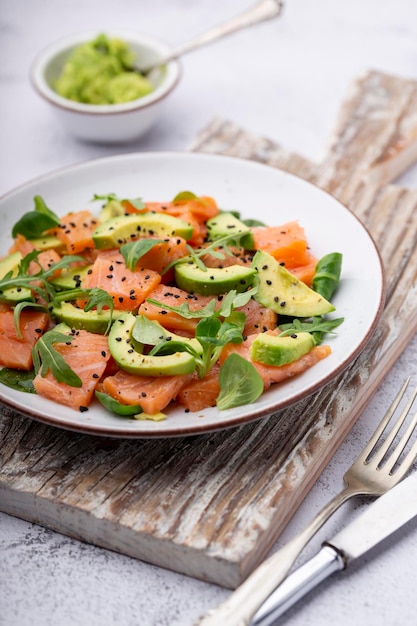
143	305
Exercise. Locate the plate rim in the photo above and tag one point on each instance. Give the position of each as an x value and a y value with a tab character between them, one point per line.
196	428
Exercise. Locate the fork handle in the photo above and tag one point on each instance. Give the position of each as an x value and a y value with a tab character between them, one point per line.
243	603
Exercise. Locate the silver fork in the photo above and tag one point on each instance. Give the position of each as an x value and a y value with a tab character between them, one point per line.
373	473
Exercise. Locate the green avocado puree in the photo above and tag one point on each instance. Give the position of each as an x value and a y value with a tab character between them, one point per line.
98	72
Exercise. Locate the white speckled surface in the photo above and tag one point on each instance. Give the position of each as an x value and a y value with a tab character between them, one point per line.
285	80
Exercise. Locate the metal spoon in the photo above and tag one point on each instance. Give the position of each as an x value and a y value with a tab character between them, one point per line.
262	11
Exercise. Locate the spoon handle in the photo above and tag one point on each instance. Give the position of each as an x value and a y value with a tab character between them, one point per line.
260	12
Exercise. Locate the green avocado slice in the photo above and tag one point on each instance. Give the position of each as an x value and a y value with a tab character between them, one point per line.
15	294
276	350
215	280
226	224
70	278
283	292
128	359
122	229
74	317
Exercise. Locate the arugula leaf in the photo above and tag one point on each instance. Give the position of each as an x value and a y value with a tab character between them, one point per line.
116	407
18	379
22	279
17	311
45	358
134	250
72	294
317	326
98	299
34	223
239	381
184	309
231	300
211	332
219	249
109	197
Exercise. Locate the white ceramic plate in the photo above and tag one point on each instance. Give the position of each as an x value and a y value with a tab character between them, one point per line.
255	190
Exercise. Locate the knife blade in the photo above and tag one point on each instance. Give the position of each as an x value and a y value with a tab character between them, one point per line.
382	518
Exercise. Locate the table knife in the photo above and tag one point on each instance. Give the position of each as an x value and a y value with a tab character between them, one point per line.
382	518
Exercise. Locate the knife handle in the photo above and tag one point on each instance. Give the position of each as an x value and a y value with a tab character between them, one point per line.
326	562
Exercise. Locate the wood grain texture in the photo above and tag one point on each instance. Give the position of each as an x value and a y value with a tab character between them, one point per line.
212	506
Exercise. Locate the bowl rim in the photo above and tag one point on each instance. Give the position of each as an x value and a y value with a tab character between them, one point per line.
47	54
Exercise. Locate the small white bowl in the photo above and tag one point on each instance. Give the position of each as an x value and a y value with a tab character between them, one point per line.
110	123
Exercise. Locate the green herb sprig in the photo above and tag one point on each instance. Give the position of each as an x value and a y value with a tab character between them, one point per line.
317	326
45	358
112	197
212	249
38	282
212	332
232	300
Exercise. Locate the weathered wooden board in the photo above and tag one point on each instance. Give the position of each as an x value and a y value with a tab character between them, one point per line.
211	506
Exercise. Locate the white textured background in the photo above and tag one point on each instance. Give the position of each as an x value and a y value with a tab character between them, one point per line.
286	80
